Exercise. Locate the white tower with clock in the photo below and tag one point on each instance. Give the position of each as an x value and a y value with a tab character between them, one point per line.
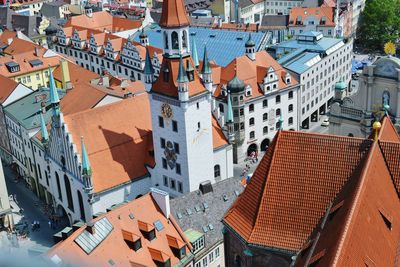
180	110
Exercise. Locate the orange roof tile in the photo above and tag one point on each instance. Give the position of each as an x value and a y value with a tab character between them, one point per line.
356	233
174	242
170	88
316	12
20	46
173	14
115	248
252	72
297	179
77	74
5	35
117	145
219	139
388	132
7	87
144	226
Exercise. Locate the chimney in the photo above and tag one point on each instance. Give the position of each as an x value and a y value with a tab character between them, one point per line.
206	187
162	200
106	81
37	53
90	227
65	77
10	40
124	84
219	22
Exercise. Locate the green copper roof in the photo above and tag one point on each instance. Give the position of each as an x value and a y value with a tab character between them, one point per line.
340	85
194	53
193	235
250	42
229	116
182	77
281	122
206	69
86	170
43	129
54	99
236	85
148	66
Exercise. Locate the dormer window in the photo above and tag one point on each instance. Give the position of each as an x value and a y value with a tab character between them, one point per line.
166	74
248	91
147	230
133	241
287	78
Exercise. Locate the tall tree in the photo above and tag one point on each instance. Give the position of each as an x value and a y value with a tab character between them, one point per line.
379	23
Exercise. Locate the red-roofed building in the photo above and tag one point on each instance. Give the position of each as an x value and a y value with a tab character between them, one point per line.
319	200
122	240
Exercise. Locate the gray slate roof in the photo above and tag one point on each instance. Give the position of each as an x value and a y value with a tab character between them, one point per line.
212	215
27	24
5	17
275	21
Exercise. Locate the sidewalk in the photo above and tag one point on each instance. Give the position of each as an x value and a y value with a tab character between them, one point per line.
31	206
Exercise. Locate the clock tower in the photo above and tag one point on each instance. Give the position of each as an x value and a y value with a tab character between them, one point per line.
180	110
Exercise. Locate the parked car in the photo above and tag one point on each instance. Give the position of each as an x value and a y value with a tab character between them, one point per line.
325	122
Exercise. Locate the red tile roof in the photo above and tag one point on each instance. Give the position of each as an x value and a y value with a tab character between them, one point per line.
114	247
219	139
317	13
20	46
7	87
170	87
173	14
118	146
297	178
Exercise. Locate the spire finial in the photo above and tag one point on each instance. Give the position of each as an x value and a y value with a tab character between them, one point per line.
206	69
148	66
86	170
376	127
54	99
194	53
229	116
182	77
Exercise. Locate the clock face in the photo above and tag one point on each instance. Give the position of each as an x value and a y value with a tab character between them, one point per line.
166	110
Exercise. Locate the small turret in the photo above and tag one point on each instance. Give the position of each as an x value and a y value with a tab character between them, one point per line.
206	72
86	169
194	54
144	40
183	82
229	120
250	48
340	90
148	72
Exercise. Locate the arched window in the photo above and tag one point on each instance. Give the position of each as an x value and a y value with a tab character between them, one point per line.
69	194
58	186
175	40
251	121
251	107
221	108
278	112
184	39
81	207
217	171
166	40
252	135
265	116
265	130
278	99
290	108
265	103
290	121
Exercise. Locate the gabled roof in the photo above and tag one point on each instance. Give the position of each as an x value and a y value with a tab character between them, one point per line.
170	87
20	46
6	88
115	248
173	14
301	14
118	146
362	226
297	178
219	139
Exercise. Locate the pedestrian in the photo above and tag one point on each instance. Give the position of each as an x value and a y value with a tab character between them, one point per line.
33	226
38	224
50	224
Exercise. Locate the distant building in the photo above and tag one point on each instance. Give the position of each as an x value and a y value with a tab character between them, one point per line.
199	215
318	63
57	9
377	94
277	24
317	19
319	200
138	233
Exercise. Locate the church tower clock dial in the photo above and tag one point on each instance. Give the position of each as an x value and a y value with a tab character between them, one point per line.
166	111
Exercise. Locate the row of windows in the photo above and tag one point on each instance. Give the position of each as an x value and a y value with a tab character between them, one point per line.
177	166
208	259
162	124
252	134
173	184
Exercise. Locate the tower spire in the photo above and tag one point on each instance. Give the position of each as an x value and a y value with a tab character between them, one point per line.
206	69
86	170
54	99
182	77
43	129
148	71
194	53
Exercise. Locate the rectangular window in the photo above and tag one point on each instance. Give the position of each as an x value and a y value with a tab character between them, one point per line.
198	126
164	163
174	126
173	185
178	168
161	121
176	147
211	256
197	105
180	187
165	180
217	252
162	141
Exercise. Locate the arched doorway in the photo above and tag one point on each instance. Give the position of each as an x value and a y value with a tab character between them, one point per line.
264	145
61	218
68	191
252	148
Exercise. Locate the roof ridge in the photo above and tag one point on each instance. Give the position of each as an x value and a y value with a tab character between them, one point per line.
273	146
357	194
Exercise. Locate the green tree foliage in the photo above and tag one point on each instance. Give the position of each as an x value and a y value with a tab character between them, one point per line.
379	23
